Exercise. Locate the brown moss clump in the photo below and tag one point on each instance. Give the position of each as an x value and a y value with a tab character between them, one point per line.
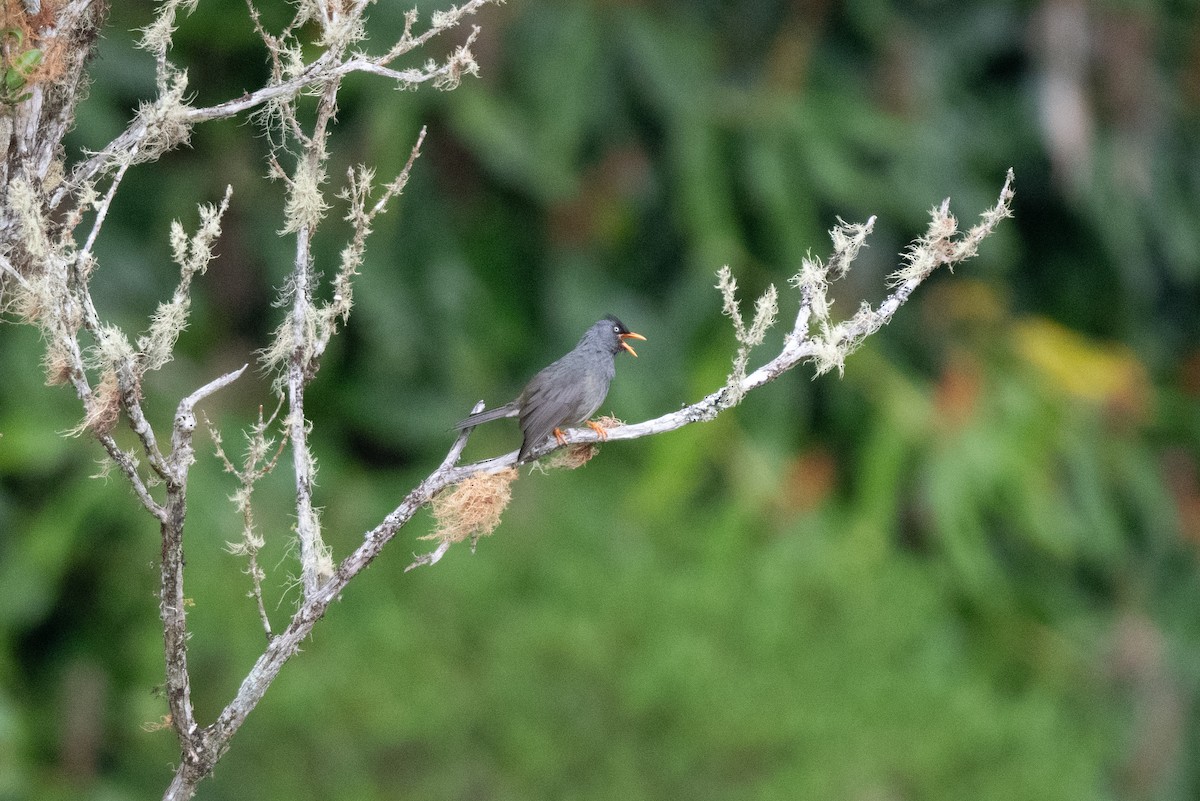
21	34
581	453
608	421
104	407
571	457
473	508
58	363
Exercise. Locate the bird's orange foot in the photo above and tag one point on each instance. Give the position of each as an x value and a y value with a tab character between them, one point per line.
560	436
600	430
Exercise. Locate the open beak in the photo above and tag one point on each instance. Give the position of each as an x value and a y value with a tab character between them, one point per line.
625	344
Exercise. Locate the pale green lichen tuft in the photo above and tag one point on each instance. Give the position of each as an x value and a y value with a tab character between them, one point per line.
766	311
192	254
306	204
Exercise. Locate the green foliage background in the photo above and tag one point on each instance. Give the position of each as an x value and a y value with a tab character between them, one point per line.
967	569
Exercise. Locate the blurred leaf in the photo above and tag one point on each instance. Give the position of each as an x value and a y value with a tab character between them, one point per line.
28	60
1074	365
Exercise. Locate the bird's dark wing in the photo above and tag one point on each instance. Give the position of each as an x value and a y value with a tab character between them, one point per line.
541	413
564	394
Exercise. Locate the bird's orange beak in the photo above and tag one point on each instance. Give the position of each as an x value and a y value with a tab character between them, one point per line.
625	344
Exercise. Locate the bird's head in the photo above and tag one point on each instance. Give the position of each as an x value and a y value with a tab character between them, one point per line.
613	331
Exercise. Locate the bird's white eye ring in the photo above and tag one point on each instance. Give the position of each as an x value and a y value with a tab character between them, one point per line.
616	329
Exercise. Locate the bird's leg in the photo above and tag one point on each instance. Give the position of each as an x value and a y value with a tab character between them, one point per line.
600	430
560	436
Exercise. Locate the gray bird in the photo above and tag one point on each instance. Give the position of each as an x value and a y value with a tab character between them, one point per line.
569	391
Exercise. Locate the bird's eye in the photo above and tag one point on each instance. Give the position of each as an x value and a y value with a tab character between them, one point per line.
616	330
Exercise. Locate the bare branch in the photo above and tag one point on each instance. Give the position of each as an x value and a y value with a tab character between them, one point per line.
102	213
443	76
172	602
129	468
130	386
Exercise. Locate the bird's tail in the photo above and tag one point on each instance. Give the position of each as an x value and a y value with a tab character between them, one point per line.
487	415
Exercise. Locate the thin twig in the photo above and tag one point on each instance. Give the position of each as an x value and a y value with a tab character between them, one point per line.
124	461
102	212
431	558
400	181
7	267
131	402
258	463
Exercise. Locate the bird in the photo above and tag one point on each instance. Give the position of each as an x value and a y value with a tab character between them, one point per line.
569	391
